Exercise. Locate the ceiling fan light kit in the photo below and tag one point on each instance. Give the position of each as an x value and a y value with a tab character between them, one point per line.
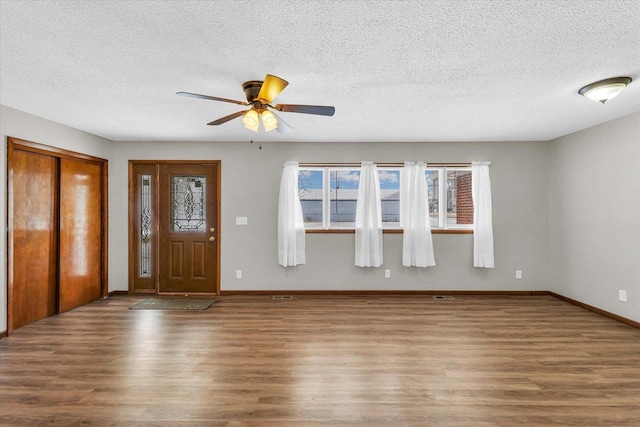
604	90
269	121
251	120
260	94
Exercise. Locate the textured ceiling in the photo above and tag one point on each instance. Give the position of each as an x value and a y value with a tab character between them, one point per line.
395	70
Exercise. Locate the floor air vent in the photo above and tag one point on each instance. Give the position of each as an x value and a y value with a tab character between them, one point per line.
442	297
280	297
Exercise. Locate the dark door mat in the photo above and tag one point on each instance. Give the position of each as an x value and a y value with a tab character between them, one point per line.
174	304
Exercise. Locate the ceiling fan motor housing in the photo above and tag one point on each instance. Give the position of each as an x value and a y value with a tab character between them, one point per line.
252	89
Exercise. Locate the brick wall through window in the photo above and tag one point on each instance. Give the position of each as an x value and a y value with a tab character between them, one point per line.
464	202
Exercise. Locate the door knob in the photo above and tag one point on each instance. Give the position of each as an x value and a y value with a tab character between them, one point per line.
211	239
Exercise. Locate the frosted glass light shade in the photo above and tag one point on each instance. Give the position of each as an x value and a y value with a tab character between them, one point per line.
269	121
251	120
604	90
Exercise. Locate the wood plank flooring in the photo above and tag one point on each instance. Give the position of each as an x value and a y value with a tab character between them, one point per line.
324	361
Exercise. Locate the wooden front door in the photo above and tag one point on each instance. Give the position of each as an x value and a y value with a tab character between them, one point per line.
175	220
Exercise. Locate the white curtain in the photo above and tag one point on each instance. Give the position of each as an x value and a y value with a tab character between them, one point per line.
482	216
369	218
290	222
417	245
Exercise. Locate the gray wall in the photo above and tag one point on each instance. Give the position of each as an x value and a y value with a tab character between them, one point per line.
548	200
250	185
594	216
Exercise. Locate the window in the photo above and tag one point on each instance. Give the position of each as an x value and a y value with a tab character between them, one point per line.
328	197
390	197
329	194
343	196
456	190
310	189
459	201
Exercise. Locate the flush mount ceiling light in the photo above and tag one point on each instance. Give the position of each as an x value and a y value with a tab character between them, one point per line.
604	90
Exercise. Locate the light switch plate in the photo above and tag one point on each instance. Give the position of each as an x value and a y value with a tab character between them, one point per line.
241	220
622	295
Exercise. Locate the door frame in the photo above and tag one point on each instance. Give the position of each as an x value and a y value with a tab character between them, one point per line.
59	153
155	211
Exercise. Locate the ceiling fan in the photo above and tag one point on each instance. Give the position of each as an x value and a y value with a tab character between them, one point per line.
260	95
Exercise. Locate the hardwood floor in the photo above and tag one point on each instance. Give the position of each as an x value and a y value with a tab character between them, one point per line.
324	360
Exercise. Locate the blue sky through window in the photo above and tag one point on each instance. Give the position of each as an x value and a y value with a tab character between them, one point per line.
347	179
310	180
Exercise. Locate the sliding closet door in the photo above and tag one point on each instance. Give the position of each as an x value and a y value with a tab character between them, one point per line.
80	232
33	247
56	240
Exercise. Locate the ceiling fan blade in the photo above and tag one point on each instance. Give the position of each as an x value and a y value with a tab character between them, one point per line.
271	87
283	127
321	110
225	119
212	98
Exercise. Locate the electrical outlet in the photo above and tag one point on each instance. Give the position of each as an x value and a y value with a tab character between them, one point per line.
622	295
387	274
518	274
238	274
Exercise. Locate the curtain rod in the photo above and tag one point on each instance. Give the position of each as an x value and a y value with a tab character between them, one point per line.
383	164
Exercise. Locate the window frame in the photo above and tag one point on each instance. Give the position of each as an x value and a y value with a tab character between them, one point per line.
443	172
442	168
325	225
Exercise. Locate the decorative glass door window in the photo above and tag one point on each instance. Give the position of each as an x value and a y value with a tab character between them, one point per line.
188	204
145	226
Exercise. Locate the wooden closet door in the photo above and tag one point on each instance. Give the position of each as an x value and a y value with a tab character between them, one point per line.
80	233
33	249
